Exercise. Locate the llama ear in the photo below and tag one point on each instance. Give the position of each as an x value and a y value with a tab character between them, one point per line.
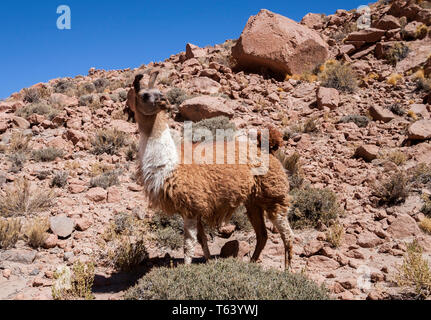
153	78
137	82
131	97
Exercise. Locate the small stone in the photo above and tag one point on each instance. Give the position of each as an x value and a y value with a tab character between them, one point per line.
7	273
62	226
227	230
50	241
367	152
96	194
380	114
234	248
82	224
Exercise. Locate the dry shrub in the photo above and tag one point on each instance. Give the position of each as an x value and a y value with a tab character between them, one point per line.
10	231
394	78
47	155
66	86
397	157
226	279
36	232
40	108
335	234
415	273
423	84
19	143
212	125
98	168
241	221
132	151
78	286
60	179
177	96
108	141
106	180
311	206
293	167
128	254
397	53
168	230
339	76
393	191
422	175
31	95
20	199
425	225
426	208
309	126
360	121
397	109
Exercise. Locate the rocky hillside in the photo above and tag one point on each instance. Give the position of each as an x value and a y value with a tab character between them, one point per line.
351	99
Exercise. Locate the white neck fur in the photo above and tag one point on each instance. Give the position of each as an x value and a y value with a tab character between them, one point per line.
158	158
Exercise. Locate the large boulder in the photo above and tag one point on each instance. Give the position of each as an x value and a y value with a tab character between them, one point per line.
205	107
279	44
420	130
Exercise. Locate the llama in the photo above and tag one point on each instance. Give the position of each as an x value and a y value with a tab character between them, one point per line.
208	193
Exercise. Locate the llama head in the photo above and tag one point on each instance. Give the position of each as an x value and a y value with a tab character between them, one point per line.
148	100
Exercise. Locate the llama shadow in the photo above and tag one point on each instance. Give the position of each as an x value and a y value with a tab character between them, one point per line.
121	281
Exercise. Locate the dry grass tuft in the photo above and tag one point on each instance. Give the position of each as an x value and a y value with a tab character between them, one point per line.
10	231
415	273
19	199
393	191
339	76
397	53
36	232
425	225
128	254
47	155
78	286
108	141
335	234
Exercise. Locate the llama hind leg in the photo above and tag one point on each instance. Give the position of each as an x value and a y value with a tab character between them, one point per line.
190	238
202	238
257	219
283	227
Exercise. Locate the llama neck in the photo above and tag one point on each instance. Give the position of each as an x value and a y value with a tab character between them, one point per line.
158	155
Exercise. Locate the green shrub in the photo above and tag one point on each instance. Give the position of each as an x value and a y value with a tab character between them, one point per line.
108	141
360	121
397	53
106	179
177	96
65	86
47	155
100	84
397	109
227	279
213	124
393	191
312	206
241	221
40	108
60	179
340	77
168	230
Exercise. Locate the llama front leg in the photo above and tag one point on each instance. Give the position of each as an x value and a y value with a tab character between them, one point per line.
283	227
190	238
202	238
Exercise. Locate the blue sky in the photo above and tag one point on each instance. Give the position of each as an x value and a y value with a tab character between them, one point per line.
120	34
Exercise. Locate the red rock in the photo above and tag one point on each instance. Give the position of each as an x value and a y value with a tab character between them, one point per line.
368	240
348	283
403	226
380	114
123	126
235	248
7	273
114	195
3	126
204	85
50	241
279	43
313	247
193	51
205	107
318	262
387	22
369	35
312	20
76	188
75	136
327	97
20	122
82	224
367	152
96	194
420	109
420	130
227	230
62	226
